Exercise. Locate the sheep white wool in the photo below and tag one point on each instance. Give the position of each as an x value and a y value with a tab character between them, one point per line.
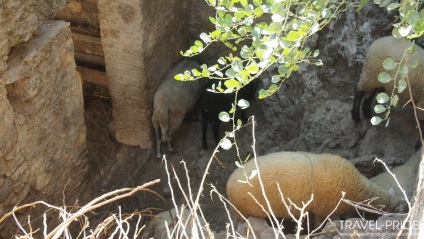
172	100
406	174
300	174
380	50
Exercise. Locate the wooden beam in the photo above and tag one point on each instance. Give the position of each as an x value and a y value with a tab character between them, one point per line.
90	75
87	44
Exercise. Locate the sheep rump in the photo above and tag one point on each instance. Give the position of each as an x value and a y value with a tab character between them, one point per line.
380	50
300	174
172	100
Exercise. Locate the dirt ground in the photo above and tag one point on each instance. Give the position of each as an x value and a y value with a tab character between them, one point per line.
114	166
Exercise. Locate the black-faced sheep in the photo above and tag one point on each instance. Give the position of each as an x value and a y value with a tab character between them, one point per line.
299	175
380	50
215	103
172	100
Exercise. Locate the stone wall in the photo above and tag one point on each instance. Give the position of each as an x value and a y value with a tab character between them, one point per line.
42	131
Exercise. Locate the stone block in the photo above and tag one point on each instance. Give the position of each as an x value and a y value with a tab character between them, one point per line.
42	148
20	21
141	42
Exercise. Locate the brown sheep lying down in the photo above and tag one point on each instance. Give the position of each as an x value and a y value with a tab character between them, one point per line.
300	174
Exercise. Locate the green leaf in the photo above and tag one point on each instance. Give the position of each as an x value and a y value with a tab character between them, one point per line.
278	8
244	2
293	36
394	100
225	144
198	44
379	109
252	68
239	123
196	72
222	61
326	13
231	83
402	85
224	116
404	31
243	104
237	65
382	98
404	70
273	88
282	69
194	49
258	12
257	3
384	77
262	94
277	18
205	37
179	77
275	79
245	52
393	6
389	64
274	27
376	120
230	73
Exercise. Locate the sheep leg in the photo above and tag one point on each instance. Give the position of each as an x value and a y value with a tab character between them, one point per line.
356	105
318	220
158	142
170	142
204	129
419	143
215	130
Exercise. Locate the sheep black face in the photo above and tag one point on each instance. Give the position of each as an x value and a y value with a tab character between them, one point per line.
380	50
366	106
214	103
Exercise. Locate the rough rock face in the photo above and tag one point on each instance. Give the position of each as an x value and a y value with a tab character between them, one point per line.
20	20
42	146
81	14
141	41
311	111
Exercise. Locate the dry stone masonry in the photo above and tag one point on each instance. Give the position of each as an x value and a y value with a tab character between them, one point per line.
42	131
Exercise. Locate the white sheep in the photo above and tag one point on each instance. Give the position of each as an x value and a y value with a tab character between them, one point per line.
172	100
300	174
406	175
380	50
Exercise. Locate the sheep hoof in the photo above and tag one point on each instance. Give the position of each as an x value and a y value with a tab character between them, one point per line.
172	151
158	156
355	116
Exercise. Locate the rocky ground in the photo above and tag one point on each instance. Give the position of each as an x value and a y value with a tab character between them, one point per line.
115	166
